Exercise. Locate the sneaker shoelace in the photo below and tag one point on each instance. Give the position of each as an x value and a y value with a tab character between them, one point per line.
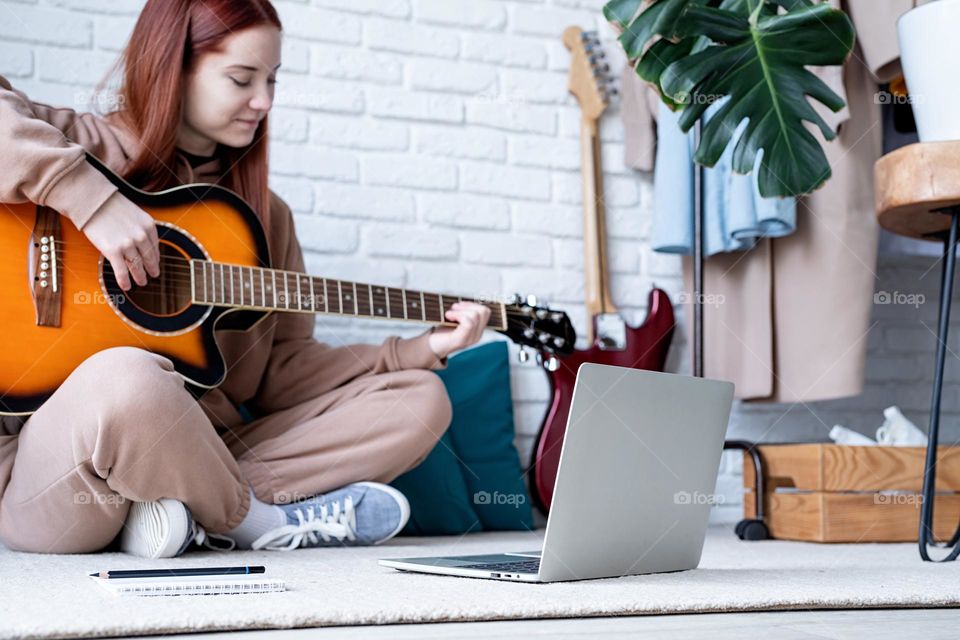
336	523
204	539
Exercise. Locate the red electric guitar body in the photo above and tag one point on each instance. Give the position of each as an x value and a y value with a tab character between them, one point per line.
611	340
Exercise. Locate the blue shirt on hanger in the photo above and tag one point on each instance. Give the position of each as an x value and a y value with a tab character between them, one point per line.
735	216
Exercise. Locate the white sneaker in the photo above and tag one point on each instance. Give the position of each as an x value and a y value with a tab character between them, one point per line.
164	528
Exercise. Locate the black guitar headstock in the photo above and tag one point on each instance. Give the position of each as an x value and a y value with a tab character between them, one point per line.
541	328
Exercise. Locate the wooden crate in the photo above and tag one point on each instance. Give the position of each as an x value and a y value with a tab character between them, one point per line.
831	493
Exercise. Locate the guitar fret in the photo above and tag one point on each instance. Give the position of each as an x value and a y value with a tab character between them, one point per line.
423	307
345	296
223	292
203	265
213	284
413	305
433	307
273	288
395	303
380	303
356	304
340	295
370	291
231	283
263	289
362	299
403	295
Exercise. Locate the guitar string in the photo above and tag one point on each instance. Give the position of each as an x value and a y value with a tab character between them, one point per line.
181	275
181	267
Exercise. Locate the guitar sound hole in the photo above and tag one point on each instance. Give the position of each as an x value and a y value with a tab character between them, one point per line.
169	293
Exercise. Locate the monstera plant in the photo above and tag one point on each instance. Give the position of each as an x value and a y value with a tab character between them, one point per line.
753	54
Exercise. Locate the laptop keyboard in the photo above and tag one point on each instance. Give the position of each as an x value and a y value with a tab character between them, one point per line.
522	566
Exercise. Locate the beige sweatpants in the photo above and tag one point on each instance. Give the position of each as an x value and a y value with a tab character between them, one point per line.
123	428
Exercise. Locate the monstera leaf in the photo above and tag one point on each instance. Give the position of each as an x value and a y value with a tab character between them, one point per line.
752	54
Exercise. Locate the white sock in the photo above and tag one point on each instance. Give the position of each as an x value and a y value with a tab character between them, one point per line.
261	517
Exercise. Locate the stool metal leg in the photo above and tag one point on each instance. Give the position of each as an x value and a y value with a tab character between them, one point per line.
926	536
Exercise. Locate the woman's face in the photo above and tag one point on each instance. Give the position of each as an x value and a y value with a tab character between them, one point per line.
230	92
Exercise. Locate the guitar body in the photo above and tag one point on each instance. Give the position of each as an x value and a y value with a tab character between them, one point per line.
45	339
612	341
646	348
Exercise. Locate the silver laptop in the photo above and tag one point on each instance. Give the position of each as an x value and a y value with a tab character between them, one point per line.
638	467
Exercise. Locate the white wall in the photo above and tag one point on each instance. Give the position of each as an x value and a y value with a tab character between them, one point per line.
432	144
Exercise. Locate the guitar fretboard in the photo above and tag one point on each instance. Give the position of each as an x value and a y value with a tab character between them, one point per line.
238	286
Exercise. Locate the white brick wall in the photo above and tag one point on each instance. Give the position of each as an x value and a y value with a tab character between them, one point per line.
432	144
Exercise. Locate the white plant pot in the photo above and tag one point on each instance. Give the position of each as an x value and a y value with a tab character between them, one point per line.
929	51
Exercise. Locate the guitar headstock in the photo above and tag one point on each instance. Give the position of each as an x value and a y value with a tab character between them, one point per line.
545	330
589	79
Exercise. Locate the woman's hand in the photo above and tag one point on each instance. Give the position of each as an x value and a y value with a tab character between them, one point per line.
126	235
471	319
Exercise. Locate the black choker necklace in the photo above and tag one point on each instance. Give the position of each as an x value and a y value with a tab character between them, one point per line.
194	159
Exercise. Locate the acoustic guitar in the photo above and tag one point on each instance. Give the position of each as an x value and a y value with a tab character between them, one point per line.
64	304
611	340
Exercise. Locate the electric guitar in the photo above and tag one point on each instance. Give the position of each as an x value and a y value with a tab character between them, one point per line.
611	340
64	304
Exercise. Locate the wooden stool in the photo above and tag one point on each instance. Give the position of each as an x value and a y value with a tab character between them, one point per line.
918	195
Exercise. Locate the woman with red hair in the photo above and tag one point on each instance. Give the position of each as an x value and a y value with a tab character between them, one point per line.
122	452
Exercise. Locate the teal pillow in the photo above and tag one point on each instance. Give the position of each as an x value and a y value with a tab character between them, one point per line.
472	480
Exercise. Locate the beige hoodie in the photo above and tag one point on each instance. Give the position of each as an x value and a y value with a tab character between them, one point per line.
272	366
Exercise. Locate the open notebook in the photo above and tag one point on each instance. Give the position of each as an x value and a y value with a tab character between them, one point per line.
181	586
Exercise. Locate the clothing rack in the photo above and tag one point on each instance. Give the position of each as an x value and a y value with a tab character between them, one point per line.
749	528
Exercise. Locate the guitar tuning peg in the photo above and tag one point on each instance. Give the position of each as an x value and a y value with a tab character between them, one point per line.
532	300
552	364
523	356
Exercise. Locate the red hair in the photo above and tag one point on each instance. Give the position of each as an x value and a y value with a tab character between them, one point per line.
169	38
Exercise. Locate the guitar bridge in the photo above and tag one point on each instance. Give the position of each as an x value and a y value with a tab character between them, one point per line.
43	267
611	332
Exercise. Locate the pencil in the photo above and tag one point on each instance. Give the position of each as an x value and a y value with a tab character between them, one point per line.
183	571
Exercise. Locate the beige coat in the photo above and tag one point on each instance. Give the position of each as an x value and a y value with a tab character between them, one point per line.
793	313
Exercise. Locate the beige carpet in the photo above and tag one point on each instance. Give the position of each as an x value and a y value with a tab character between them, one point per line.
49	595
